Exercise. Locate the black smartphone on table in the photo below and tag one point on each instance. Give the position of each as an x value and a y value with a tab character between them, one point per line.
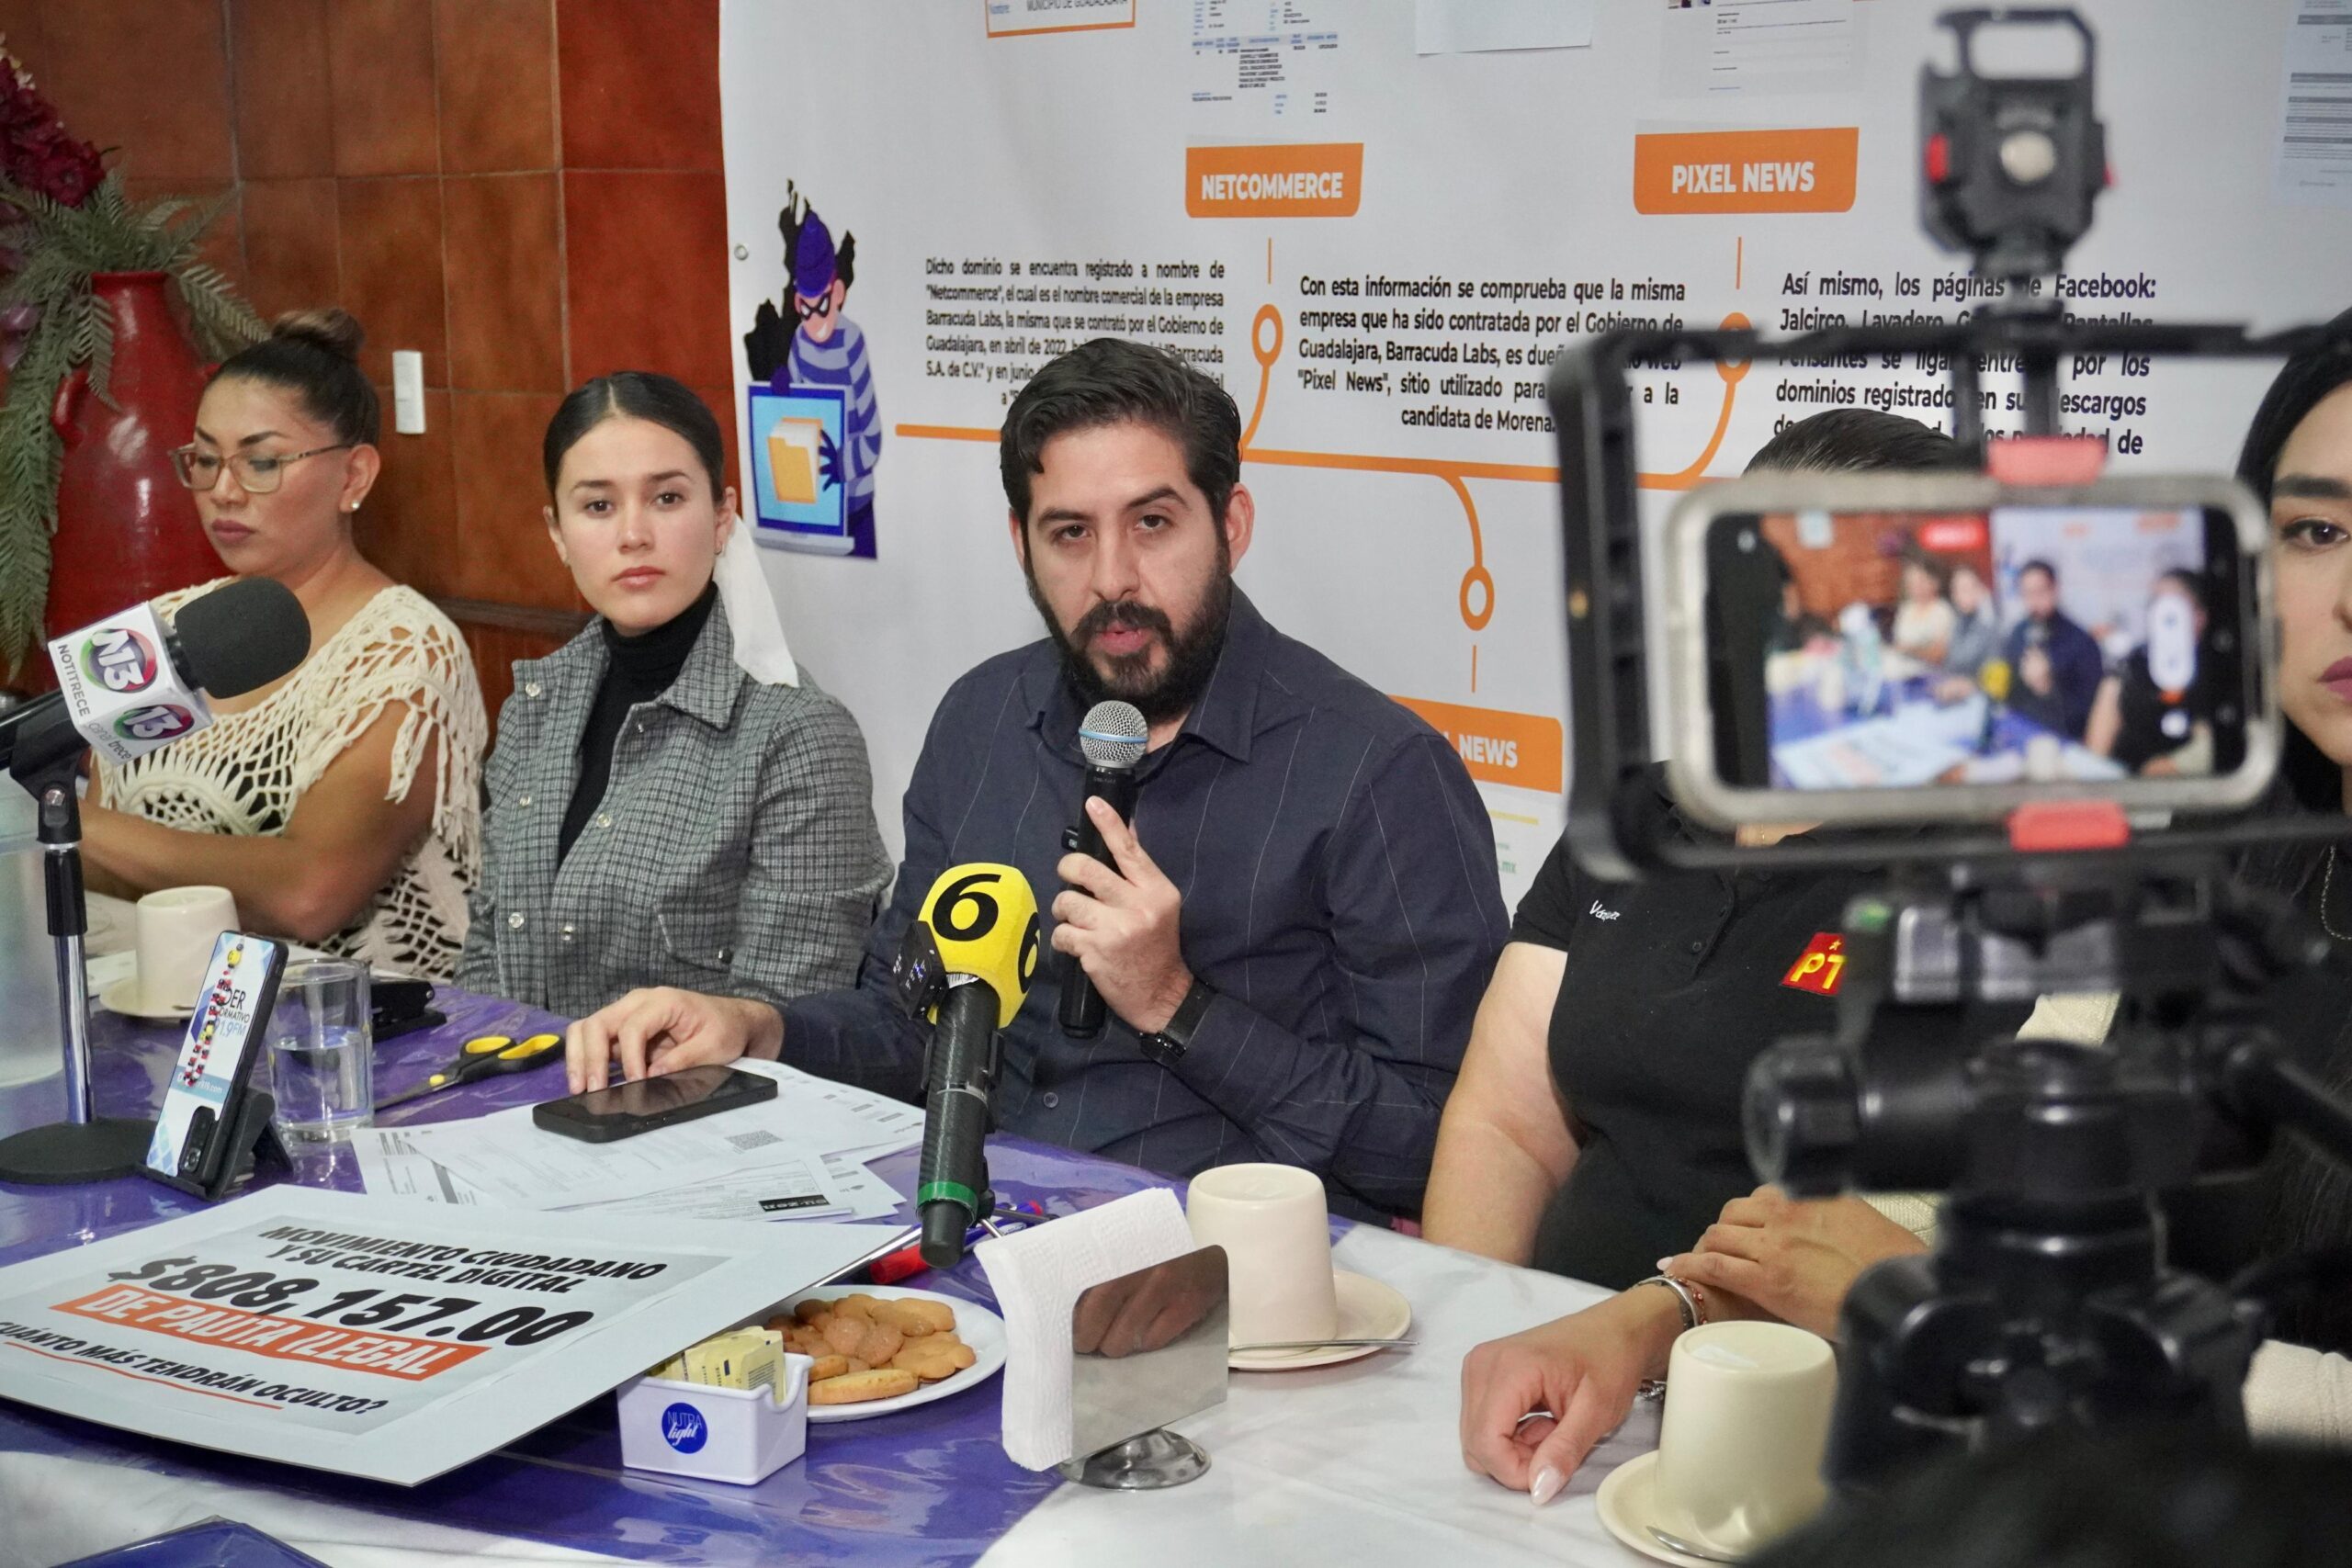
625	1109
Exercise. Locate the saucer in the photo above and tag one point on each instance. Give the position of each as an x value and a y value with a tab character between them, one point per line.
123	997
1625	1501
1368	1310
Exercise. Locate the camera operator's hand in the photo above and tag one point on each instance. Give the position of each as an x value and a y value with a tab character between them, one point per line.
1793	1259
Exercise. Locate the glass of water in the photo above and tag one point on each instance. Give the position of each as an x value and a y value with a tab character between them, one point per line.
322	1060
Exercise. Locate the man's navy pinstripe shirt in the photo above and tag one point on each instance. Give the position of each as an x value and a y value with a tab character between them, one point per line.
1341	898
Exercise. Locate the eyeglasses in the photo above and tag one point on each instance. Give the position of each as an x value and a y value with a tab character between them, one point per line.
821	307
200	470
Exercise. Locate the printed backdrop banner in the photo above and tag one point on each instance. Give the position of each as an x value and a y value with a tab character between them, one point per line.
379	1339
1377	250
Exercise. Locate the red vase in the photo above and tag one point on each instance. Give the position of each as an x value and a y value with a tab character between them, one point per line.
126	527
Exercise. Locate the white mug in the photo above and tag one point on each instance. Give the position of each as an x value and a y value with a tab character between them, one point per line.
1747	1422
177	929
1275	1227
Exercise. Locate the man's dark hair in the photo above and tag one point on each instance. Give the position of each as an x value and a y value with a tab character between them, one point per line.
1858	441
2044	566
1110	381
2168	1498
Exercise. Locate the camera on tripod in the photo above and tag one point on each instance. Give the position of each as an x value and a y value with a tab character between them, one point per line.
1891	656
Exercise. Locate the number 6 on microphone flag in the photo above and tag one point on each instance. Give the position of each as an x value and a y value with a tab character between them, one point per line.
984	919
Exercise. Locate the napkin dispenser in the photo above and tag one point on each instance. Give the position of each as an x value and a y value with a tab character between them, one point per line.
1148	1348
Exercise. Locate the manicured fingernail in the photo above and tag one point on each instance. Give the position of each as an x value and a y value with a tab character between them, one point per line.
1664	1264
1547	1486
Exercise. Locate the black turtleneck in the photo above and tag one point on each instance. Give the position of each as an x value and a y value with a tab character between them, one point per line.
637	670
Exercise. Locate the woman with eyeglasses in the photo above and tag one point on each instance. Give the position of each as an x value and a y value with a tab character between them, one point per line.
341	805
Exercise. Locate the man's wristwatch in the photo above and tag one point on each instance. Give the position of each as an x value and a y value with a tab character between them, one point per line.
1167	1043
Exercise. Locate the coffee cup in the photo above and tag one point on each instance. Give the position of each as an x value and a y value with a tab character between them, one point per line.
175	930
1740	1446
1275	1227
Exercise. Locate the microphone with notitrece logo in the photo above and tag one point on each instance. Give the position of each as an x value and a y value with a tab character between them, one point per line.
128	684
1113	737
965	963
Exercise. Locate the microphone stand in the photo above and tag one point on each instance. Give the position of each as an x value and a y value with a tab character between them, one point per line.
84	1146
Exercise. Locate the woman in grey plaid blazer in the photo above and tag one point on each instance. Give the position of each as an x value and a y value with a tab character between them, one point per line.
670	803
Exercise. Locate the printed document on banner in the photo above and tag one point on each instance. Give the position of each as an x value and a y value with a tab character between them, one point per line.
394	1341
1266	67
1755	47
1479	27
2315	106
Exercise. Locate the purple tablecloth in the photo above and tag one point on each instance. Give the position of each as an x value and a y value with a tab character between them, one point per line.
223	1544
930	1485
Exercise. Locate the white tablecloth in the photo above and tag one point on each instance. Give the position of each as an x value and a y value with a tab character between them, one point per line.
1356	1463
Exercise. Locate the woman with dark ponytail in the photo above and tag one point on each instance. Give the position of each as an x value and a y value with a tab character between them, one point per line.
2298	458
340	803
673	802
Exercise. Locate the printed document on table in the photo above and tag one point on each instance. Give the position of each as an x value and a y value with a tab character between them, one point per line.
789	1189
518	1163
391	1166
835	1118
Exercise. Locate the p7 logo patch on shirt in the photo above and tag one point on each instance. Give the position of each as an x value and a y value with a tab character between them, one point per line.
1820	966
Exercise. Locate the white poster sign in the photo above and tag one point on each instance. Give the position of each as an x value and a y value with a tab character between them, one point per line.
1379	252
383	1339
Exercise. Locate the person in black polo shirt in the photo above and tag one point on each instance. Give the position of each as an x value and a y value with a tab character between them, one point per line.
1595	1127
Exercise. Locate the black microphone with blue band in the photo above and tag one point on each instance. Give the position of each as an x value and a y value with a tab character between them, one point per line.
1113	737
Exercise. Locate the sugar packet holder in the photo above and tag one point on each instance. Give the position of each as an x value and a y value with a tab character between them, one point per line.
740	1435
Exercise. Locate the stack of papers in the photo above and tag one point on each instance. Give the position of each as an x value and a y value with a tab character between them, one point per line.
803	1156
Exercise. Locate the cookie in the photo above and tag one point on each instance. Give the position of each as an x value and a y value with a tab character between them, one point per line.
843	1333
916	1318
857	1388
934	1358
881	1343
828	1367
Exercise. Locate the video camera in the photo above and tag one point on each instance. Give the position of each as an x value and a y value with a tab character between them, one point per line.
1891	656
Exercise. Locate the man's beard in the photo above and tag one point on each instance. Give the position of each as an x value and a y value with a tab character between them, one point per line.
1192	654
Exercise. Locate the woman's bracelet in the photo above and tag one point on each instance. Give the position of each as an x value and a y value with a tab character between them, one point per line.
1693	1302
1694	1299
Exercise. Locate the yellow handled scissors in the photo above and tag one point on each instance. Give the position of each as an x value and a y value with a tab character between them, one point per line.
490	1055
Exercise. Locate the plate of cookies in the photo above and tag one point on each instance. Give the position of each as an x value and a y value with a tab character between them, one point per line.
882	1348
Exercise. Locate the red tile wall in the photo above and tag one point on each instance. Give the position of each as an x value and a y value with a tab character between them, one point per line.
491	182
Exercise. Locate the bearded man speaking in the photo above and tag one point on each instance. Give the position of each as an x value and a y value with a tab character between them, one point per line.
1297	928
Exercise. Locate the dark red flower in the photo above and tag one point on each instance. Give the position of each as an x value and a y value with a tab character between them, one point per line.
37	152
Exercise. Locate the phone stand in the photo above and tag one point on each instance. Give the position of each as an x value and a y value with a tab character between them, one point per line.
253	1142
1121	1404
83	1147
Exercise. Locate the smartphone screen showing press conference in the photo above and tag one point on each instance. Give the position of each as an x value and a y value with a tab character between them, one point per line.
2019	644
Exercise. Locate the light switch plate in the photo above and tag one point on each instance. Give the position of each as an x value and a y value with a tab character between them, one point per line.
408	392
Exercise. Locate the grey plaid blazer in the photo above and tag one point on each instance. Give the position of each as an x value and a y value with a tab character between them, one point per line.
734	852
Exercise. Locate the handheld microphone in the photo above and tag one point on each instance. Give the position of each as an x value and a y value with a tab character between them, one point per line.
126	685
1113	737
965	963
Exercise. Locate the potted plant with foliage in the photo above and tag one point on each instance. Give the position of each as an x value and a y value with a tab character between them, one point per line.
103	380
